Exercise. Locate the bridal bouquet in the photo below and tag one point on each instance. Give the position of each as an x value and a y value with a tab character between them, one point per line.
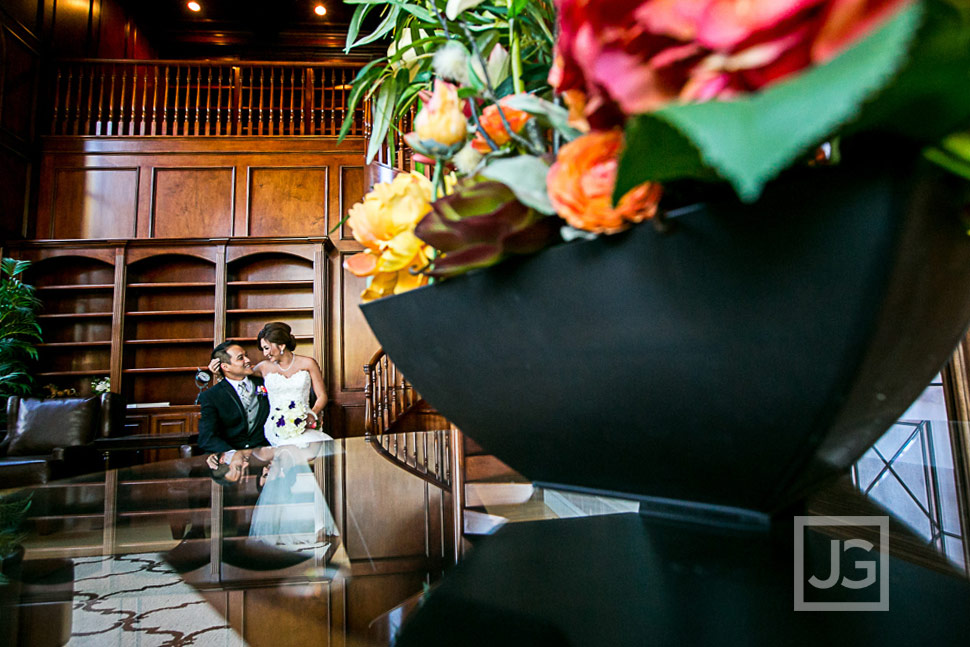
290	421
629	111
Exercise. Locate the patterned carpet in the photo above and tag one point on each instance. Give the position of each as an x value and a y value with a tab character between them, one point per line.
139	601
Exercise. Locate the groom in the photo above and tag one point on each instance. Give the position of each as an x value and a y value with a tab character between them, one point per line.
235	409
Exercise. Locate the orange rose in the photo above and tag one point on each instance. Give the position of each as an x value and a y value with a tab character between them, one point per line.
491	122
441	119
581	183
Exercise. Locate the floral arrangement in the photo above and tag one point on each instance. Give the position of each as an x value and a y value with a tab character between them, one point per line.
102	385
291	421
527	138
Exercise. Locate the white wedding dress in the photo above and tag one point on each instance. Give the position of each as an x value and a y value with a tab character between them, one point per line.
282	392
291	512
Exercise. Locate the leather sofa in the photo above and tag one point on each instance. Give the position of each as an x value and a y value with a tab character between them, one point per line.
52	439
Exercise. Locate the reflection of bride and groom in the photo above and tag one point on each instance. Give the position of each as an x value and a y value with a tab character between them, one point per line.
264	412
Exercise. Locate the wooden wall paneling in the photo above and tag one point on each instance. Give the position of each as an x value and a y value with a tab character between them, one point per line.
374	530
71	37
18	92
192	202
240	203
15	175
352	190
93	203
288	201
371	596
357	343
26	13
303	609
145	209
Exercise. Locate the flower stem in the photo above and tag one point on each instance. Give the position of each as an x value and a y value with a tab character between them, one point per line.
515	51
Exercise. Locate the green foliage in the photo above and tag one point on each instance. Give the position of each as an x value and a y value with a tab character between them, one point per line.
13	511
416	29
19	330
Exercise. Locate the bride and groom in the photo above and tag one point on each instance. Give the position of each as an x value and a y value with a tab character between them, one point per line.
268	403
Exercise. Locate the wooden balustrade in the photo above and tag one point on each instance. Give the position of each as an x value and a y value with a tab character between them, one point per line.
388	396
111	98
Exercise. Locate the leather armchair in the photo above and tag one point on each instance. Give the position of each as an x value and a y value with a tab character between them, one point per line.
53	439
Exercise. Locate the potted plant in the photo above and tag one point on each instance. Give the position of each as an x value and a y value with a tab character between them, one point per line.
19	330
804	277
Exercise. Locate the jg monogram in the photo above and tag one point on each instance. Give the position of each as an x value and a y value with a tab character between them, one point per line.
871	577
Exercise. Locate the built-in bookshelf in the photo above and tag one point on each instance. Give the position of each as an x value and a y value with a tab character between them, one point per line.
170	311
77	293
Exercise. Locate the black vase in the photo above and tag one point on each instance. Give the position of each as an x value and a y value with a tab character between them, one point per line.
737	359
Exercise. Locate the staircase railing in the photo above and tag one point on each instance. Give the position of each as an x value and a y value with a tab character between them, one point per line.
388	397
124	97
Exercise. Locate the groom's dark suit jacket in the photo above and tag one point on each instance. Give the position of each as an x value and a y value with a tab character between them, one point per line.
223	425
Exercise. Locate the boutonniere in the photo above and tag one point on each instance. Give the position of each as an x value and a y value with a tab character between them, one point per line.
261	390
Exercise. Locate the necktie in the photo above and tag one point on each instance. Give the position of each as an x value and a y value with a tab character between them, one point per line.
246	393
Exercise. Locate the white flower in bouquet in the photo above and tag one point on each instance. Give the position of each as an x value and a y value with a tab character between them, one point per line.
291	420
101	386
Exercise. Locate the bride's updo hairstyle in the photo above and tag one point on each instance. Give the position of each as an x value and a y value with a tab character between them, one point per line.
277	332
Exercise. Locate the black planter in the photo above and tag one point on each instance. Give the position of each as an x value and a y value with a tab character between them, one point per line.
739	359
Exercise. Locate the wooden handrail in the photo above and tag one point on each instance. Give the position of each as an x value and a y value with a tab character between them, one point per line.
388	397
204	98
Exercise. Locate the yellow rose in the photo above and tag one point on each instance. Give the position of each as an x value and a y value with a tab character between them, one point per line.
384	222
441	119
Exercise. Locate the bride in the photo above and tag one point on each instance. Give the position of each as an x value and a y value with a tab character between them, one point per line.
288	378
291	511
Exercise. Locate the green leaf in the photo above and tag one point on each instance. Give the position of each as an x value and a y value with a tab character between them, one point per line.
382	30
525	175
555	116
383	109
359	14
750	140
362	83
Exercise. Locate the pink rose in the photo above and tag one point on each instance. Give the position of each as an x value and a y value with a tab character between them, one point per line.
631	57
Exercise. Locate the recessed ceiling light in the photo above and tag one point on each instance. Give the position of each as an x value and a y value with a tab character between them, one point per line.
320	10
194	6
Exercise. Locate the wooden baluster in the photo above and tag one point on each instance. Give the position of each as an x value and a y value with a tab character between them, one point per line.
282	98
87	115
68	109
111	105
208	102
322	103
57	100
134	98
154	129
143	129
177	103
236	102
219	103
270	113
80	98
425	462
262	71
385	421
304	78
121	101
379	400
198	95
292	101
187	122
98	125
165	105
368	394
